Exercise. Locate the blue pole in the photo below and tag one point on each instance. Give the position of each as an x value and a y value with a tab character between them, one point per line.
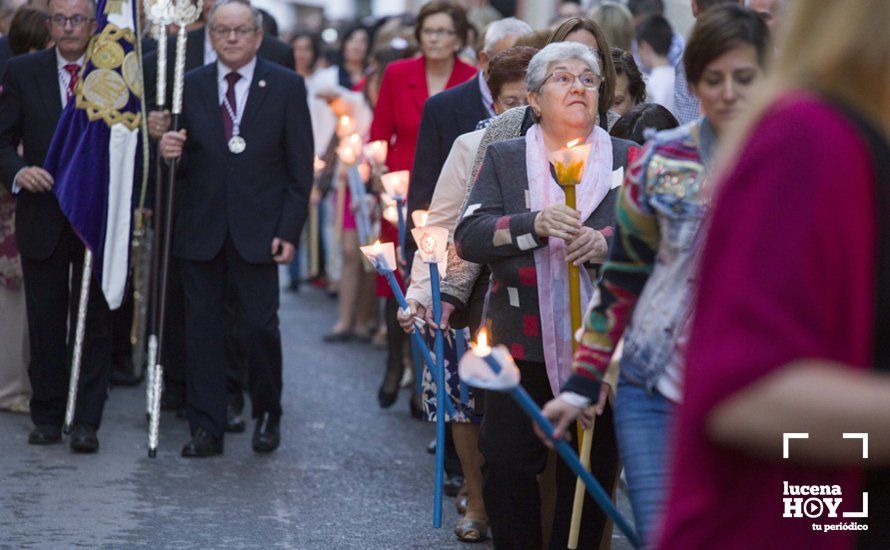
418	366
527	404
415	336
362	216
440	398
402	227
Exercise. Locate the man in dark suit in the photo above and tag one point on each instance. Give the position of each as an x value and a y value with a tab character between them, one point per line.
247	152
199	52
36	87
451	113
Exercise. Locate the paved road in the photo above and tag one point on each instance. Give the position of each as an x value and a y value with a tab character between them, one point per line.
347	475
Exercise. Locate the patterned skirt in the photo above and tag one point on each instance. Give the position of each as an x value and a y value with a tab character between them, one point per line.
462	397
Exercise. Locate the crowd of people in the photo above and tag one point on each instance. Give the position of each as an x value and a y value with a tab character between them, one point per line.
733	289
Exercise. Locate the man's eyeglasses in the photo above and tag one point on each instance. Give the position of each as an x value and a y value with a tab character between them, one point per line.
240	32
430	33
60	20
565	79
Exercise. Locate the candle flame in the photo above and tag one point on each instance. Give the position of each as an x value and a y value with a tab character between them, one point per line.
482	347
344	120
573	143
376	249
420	217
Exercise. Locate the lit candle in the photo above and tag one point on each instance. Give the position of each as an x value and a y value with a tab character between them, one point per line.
375	152
396	184
419	217
390	214
569	162
493	368
345	126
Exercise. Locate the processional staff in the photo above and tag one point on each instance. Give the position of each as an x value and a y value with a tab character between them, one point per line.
569	164
183	14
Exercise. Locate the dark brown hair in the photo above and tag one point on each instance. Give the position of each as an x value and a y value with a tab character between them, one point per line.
720	30
535	39
625	65
457	13
607	88
508	66
28	31
645	116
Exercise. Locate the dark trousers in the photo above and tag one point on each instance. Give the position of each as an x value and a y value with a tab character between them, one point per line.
255	291
514	457
236	354
47	299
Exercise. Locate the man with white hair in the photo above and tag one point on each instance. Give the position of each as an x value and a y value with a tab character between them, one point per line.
454	112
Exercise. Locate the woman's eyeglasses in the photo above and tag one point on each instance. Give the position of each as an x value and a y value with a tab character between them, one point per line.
565	79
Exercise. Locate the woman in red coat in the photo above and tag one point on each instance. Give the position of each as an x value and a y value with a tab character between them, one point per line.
441	30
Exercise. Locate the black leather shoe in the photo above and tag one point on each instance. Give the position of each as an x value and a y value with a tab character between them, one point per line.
122	373
234	420
83	439
45	434
203	445
266	436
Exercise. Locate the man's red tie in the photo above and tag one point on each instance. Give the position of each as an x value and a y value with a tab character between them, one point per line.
228	123
73	69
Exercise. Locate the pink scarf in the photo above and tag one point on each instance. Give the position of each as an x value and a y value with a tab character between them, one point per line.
550	262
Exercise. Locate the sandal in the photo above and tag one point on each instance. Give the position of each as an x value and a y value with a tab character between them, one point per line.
471	530
461	504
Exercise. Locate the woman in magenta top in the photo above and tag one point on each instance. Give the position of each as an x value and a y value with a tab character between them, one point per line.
790	331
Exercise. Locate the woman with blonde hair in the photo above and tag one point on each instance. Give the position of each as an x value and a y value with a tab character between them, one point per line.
792	326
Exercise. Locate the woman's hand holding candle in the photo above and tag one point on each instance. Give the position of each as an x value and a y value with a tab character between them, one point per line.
588	246
447	310
408	318
558	220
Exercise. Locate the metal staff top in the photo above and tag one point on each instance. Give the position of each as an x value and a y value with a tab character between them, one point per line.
184	14
160	13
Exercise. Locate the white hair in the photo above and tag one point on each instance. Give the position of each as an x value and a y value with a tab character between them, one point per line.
558	51
255	13
504	28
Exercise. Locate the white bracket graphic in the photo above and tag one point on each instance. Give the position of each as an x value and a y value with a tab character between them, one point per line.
863	437
791	435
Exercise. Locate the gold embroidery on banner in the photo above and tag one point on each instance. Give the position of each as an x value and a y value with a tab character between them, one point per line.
132	76
106	90
107	55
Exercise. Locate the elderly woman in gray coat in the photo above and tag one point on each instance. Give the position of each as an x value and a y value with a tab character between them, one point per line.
516	222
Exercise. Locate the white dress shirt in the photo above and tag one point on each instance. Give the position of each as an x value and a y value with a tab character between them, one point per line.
64	76
242	87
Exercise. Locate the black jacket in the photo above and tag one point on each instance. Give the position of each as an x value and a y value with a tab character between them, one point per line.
30	107
446	116
257	195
